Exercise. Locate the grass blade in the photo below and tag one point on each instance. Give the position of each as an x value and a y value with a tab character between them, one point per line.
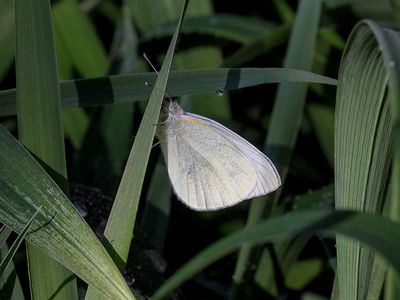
10	285
10	254
118	232
285	119
40	128
129	88
376	232
79	38
231	27
4	235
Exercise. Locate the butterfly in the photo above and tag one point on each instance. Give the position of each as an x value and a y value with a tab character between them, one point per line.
210	166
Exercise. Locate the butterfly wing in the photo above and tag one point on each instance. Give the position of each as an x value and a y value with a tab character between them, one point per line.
211	167
267	175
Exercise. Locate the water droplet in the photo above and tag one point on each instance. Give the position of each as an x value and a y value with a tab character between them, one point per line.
392	63
220	93
147	83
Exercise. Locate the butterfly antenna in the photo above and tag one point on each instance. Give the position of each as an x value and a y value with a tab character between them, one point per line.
158	74
150	63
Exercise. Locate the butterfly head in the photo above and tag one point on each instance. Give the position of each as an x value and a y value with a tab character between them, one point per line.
171	111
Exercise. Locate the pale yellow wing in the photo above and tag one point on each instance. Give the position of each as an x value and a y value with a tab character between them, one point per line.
211	167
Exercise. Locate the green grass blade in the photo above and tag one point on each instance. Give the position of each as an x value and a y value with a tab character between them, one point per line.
10	285
40	128
119	229
286	117
239	29
363	143
10	254
4	234
376	232
129	88
58	230
38	97
79	38
64	61
284	10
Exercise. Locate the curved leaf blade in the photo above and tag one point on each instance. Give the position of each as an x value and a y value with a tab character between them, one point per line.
375	231
136	87
364	134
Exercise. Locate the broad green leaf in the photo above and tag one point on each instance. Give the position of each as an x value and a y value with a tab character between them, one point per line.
363	141
129	88
58	230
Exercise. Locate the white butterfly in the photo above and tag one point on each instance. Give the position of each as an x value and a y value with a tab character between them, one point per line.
211	167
